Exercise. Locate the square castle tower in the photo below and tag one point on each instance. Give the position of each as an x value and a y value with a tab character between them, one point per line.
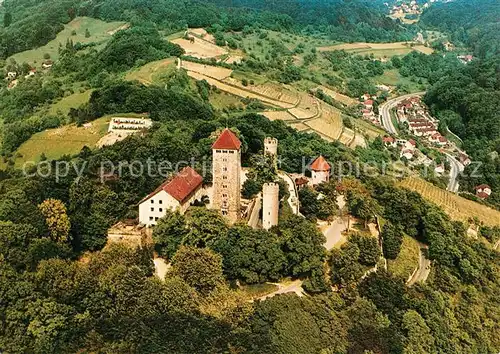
226	174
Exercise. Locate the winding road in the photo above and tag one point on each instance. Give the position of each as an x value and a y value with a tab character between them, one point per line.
386	107
424	267
385	114
455	169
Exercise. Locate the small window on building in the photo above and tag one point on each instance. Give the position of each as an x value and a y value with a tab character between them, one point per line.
231	151
224	160
161	210
224	151
224	195
224	177
152	201
224	212
152	209
156	219
217	150
150	218
224	169
161	201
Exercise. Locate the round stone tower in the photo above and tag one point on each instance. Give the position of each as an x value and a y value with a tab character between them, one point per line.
270	205
271	146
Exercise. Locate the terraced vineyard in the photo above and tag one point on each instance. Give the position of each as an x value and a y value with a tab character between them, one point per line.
279	115
338	96
215	72
456	207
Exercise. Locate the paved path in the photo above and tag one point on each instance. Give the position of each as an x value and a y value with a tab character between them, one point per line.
161	267
333	233
293	199
293	287
385	111
424	267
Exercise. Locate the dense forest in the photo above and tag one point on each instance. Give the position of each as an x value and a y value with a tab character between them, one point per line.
63	291
466	99
28	24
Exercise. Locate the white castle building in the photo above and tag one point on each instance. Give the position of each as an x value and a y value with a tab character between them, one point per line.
174	194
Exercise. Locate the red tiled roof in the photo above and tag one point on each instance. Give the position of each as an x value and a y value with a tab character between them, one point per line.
388	139
483	186
301	181
320	164
368	102
181	186
411	141
482	195
442	139
227	140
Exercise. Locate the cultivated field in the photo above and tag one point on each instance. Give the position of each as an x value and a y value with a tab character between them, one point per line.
348	101
100	33
347	136
456	207
378	49
279	115
301	113
69	139
215	72
326	127
152	72
200	48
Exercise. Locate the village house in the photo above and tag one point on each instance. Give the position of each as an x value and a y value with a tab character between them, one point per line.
464	159
368	104
389	141
465	59
11	75
483	191
407	154
174	194
439	169
438	139
47	64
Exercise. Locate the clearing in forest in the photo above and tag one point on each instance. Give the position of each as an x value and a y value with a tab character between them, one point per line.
458	208
66	140
151	72
407	260
100	33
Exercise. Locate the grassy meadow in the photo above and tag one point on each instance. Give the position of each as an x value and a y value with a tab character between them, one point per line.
100	33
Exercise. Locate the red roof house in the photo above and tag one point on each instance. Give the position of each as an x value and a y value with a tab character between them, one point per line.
483	191
227	140
177	193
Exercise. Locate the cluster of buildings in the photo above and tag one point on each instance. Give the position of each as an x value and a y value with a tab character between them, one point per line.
186	188
407	148
368	113
409	7
413	113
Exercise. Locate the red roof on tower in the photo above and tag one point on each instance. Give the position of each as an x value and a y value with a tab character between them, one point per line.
181	186
320	164
227	140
